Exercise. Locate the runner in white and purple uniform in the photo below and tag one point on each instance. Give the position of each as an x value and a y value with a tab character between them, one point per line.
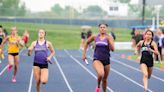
41	58
101	60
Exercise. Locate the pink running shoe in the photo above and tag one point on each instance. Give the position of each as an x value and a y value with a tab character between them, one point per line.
9	67
97	89
13	79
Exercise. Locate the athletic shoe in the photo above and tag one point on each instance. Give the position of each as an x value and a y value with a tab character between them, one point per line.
97	89
13	79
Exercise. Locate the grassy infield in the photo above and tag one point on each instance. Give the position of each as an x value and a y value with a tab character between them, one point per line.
64	36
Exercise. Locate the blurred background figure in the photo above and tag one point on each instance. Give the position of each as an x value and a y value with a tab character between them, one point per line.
113	34
5	31
85	33
136	37
89	34
25	38
133	32
157	38
161	41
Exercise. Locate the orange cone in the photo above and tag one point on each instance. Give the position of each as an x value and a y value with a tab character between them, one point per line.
130	57
162	67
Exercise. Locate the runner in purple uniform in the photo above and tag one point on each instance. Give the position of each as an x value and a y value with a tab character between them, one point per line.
41	58
101	59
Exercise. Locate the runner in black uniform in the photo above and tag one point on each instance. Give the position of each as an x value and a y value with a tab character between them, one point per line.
147	48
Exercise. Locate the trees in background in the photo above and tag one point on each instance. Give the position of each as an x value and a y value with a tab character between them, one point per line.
70	12
162	11
57	9
67	12
94	10
12	8
136	11
17	8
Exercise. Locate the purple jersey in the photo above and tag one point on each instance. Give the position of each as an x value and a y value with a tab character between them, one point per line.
102	51
41	53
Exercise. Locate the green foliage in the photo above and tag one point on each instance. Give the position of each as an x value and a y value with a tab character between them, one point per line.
12	8
162	11
124	1
67	12
136	10
70	12
94	10
57	9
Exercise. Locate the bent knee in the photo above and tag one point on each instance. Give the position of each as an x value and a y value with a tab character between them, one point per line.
44	81
145	75
100	75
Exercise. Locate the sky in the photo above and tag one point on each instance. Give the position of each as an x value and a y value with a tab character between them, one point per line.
45	5
42	5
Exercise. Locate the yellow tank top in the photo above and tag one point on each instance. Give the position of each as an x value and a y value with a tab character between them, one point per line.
13	44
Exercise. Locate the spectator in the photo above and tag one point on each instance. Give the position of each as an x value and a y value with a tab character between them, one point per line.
112	34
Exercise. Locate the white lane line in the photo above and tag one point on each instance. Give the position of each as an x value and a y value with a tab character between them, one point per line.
129	79
131	67
21	50
137	62
126	77
85	68
4	70
30	84
64	77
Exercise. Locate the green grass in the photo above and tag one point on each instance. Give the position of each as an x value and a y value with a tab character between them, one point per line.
159	65
62	36
134	57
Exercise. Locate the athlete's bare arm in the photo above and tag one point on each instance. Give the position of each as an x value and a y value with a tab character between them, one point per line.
31	47
138	47
90	39
111	42
155	51
51	48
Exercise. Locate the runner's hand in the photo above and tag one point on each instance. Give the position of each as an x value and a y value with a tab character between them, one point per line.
83	57
29	53
48	59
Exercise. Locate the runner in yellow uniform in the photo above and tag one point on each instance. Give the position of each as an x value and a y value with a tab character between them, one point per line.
13	51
